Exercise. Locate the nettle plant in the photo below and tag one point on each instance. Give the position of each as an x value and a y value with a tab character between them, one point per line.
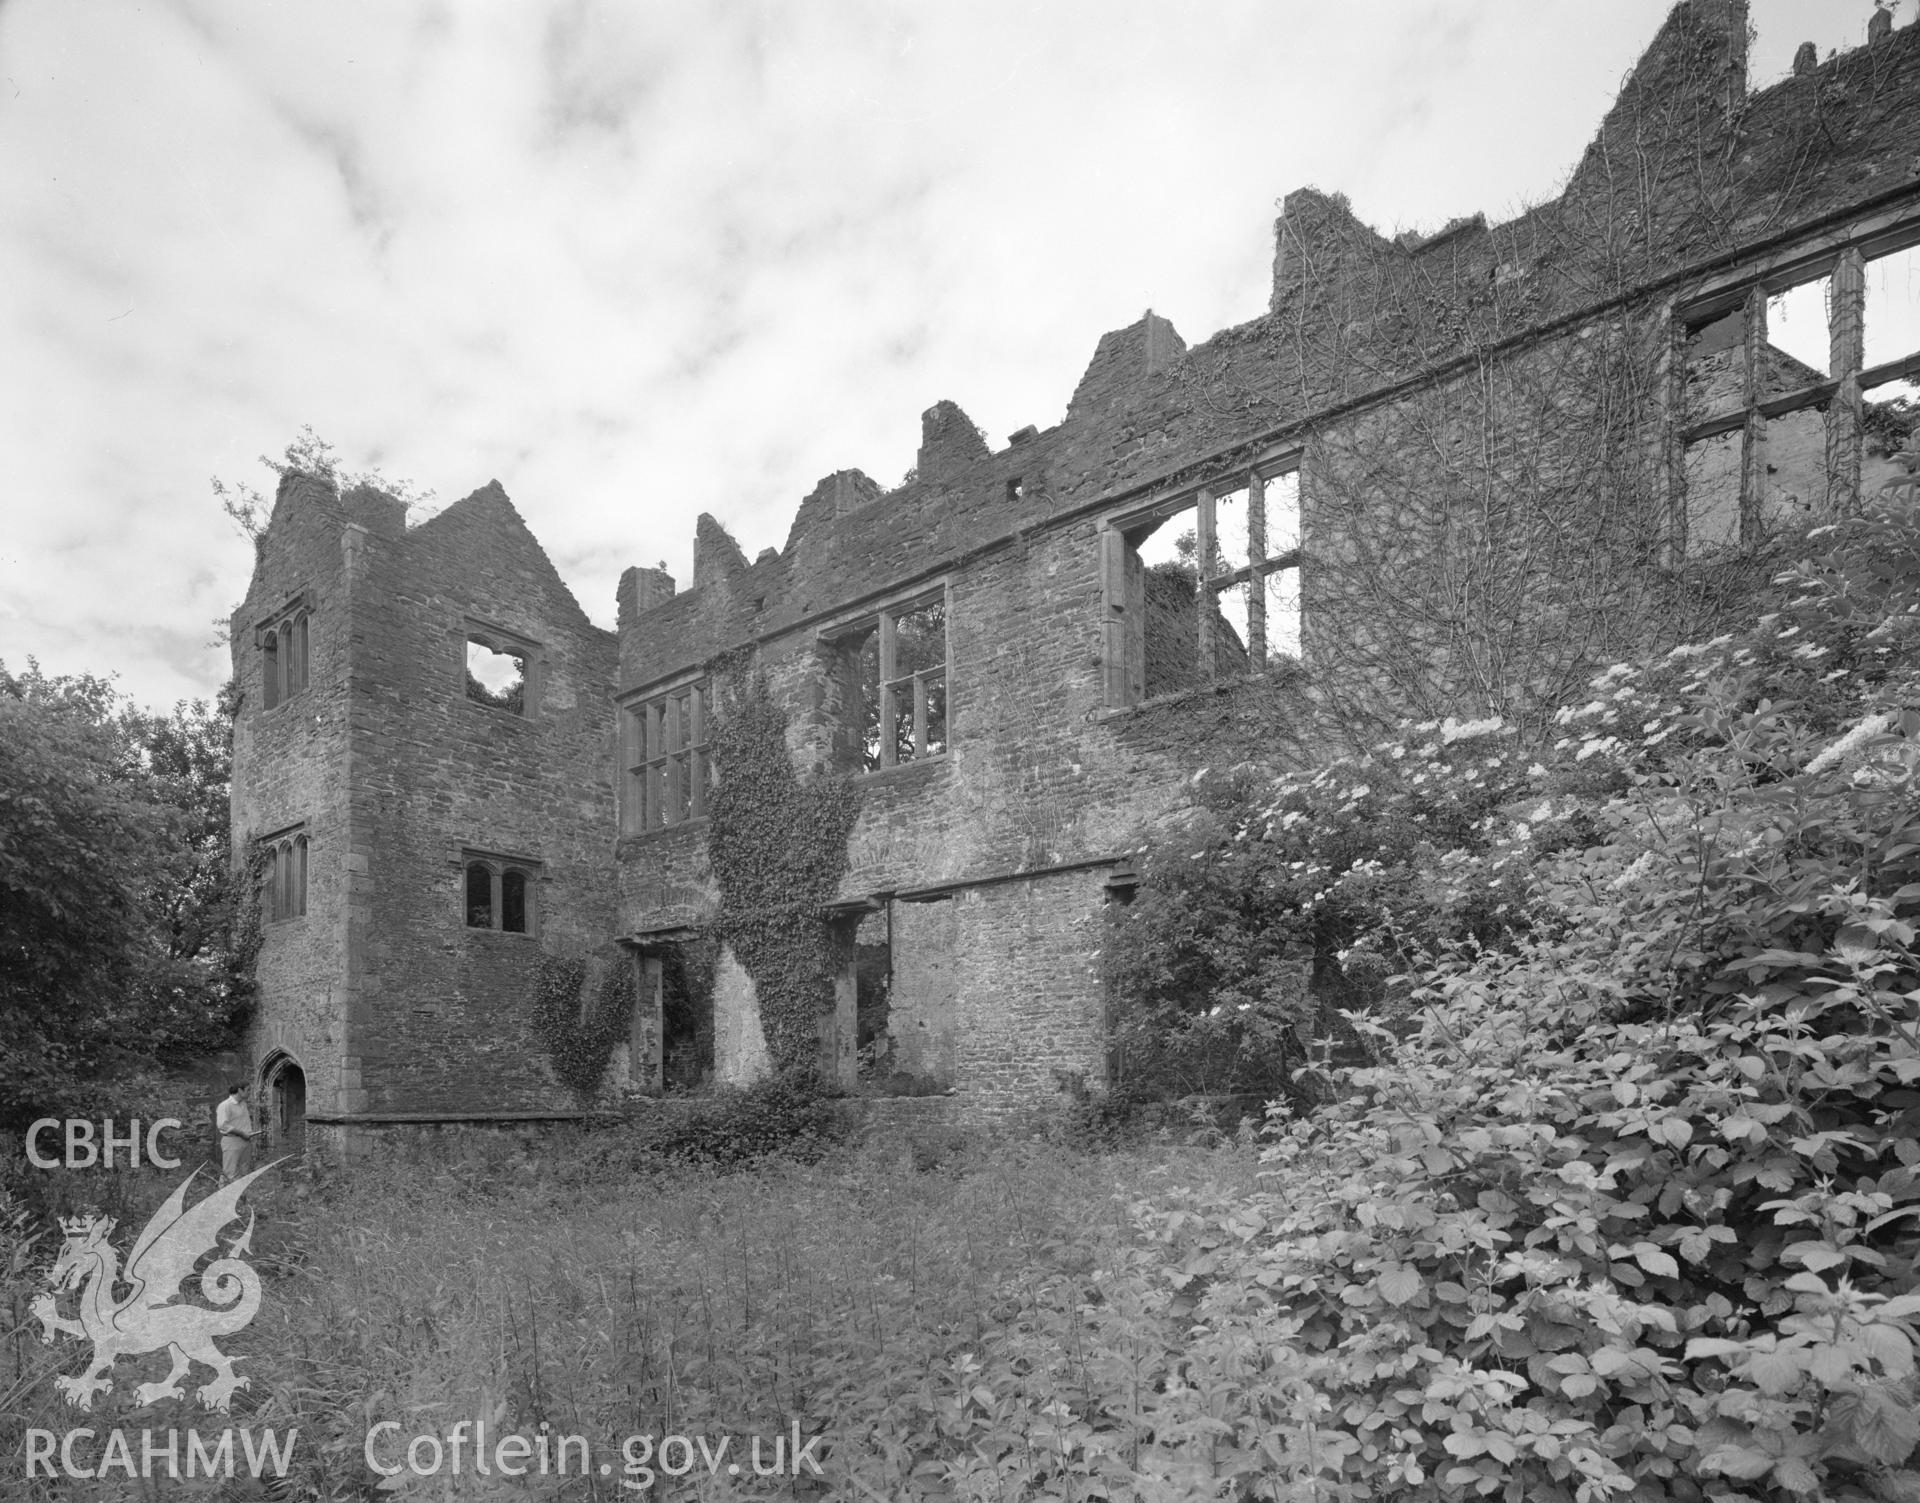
1625	1205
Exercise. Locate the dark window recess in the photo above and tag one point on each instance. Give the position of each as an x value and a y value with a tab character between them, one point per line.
499	895
283	658
286	879
479	896
664	751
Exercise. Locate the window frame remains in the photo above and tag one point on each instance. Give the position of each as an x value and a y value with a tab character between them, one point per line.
284	641
666	756
1124	608
845	645
497	868
1838	393
284	895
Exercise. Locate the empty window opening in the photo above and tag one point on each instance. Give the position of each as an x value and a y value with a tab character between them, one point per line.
1283	616
1892	313
892	688
914	681
667	761
1162	592
1755	434
1716	366
496	679
1280	498
1892	360
500	895
286	878
1801	350
1232	532
1204	589
1794	455
1713	492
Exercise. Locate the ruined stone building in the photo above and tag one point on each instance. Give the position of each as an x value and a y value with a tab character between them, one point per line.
1441	474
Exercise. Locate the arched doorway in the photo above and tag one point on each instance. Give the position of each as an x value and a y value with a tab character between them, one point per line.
286	1123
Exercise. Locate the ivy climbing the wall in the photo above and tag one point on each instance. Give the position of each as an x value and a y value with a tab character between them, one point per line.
580	1043
779	848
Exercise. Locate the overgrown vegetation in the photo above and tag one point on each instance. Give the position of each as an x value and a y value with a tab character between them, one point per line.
580	1040
778	845
786	1116
1620	1202
1624	1204
249	509
1612	1196
872	1302
126	938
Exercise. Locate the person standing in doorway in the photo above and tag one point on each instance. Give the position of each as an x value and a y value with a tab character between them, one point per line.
236	1134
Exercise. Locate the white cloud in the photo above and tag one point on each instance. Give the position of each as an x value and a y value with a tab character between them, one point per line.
638	262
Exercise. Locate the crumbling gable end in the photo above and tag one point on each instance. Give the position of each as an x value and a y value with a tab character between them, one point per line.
717	559
1121	361
949	442
837	495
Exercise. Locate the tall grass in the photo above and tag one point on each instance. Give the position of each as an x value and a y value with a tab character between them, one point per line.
856	1298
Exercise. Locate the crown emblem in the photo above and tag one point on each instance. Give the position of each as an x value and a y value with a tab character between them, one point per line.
80	1226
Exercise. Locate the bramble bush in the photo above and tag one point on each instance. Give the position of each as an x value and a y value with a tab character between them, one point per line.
1624	1206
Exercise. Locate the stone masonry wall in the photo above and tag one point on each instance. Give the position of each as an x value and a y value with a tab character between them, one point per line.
1493	397
1480	417
291	768
1031	1001
442	1019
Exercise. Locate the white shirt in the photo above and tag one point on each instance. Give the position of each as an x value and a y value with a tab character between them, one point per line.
233	1116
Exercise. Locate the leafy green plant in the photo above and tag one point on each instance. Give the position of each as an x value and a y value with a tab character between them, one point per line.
785	1116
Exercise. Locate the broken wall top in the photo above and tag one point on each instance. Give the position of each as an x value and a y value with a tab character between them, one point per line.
479	546
1685	170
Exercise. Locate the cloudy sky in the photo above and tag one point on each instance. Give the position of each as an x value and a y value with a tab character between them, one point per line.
640	261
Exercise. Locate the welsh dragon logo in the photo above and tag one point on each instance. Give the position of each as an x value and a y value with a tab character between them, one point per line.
148	1319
